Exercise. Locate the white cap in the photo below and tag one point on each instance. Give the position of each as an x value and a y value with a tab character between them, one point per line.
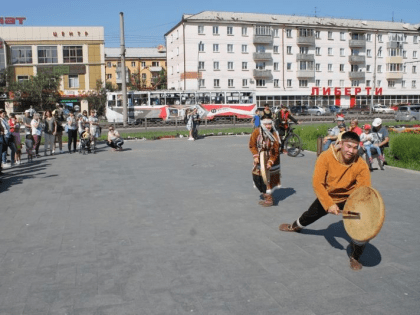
340	118
377	122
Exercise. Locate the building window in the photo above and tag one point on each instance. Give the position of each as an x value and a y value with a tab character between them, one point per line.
380	52
47	54
341	82
216	65
109	76
244	65
317	34
391	83
330	35
276	49
143	64
289	83
260	83
200	29
415	39
201	83
329	82
216	83
230	83
330	51
367	82
342	37
367	68
379	38
244	82
368	53
230	65
230	30
394	67
318	51
215	30
413	83
215	47
403	83
108	64
155	64
330	68
144	76
415	54
133	63
342	67
341	51
303	50
276	32
230	48
276	66
72	54
73	81
289	50
244	49
260	65
201	65
379	68
404	53
303	83
21	54
201	47
21	78
276	82
263	30
355	83
288	33
244	31
306	65
414	69
318	67
318	83
378	83
289	66
369	37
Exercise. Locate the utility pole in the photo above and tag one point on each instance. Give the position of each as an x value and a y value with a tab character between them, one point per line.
123	74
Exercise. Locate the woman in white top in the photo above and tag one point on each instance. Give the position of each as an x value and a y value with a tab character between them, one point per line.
72	131
94	125
36	132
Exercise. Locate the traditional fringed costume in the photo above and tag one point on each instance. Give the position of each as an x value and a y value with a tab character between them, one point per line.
262	139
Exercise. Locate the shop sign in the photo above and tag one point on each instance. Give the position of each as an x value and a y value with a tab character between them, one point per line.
11	20
63	69
70	34
344	91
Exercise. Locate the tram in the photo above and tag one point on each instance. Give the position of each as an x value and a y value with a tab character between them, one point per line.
168	105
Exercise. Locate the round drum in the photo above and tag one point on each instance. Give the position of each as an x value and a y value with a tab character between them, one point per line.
369	204
265	174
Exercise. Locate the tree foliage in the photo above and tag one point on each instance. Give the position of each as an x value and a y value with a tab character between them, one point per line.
97	98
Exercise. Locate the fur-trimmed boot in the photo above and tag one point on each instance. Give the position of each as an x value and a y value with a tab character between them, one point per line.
356	252
264	196
268	202
294	227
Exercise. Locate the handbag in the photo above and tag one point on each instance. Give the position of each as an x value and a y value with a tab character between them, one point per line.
66	128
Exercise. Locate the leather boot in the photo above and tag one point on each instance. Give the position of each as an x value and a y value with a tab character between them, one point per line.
268	202
261	202
356	252
290	227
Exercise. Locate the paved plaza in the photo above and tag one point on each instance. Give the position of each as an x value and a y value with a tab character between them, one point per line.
174	227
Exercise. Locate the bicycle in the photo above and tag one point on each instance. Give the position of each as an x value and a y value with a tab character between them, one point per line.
292	142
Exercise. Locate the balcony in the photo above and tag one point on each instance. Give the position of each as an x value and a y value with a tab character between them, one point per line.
262	73
394	75
306	40
356	75
305	74
262	56
305	57
394	45
155	69
357	59
394	59
357	43
263	39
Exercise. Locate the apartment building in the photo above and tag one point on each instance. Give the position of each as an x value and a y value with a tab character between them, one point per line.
143	66
296	59
78	52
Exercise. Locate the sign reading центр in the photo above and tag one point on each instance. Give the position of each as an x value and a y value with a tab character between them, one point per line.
11	20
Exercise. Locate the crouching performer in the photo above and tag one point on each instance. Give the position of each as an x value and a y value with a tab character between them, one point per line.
264	145
338	172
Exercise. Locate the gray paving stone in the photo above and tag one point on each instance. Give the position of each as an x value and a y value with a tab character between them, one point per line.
173	227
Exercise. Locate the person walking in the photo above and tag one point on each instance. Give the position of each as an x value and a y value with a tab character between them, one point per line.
72	131
36	132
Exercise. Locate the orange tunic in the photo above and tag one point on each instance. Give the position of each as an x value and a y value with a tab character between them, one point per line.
333	180
266	145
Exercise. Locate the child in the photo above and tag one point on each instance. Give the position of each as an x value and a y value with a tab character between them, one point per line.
29	143
342	128
368	142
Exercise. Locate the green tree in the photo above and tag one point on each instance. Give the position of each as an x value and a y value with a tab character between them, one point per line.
42	90
97	98
110	87
159	83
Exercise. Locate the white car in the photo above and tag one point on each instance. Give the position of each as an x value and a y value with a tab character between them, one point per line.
316	110
382	109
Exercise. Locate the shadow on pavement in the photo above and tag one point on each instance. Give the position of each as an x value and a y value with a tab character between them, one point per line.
281	194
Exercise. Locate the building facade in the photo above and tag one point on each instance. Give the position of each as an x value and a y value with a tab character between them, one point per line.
296	60
143	67
78	52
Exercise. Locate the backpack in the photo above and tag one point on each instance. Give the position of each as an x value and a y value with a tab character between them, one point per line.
186	119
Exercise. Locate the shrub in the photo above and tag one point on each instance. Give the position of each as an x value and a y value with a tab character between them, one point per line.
405	146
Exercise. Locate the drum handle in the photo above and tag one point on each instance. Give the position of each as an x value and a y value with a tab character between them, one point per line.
349	212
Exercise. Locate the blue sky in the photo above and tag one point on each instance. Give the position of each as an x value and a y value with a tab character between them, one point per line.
147	21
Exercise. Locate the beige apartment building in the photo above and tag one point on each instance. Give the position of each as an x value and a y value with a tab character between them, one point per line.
143	67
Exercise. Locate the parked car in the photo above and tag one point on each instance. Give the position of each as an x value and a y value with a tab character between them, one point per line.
316	110
299	110
358	109
382	109
334	109
408	113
